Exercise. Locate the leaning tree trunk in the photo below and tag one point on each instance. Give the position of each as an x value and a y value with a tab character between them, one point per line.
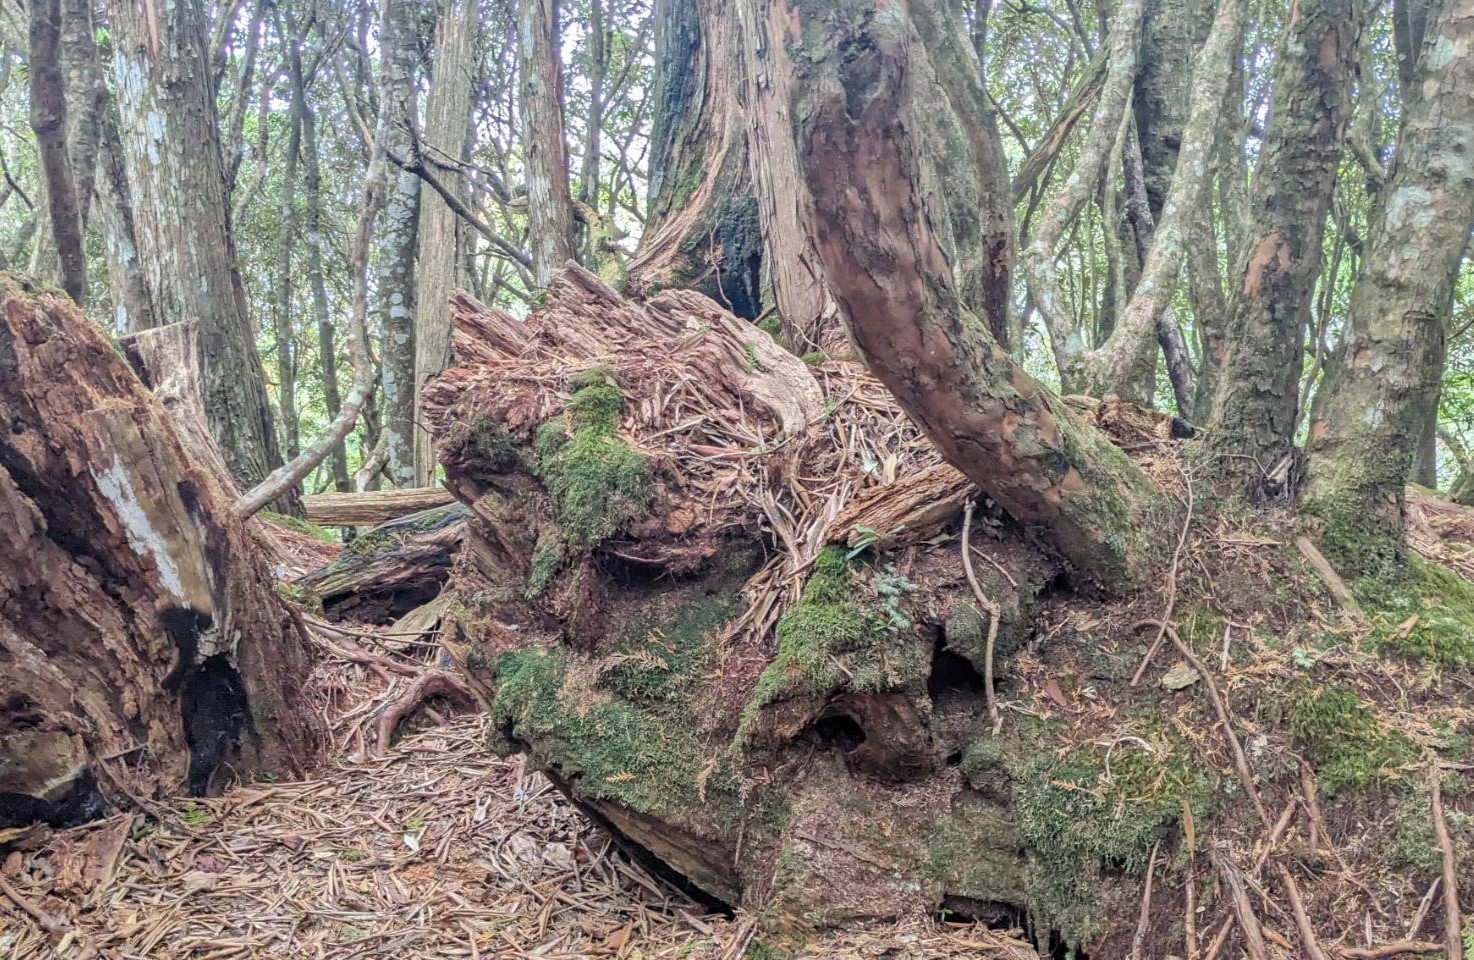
867	136
181	215
701	230
1256	408
144	640
1375	401
976	235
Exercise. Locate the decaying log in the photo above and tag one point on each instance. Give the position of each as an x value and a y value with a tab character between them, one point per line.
143	633
392	569
371	507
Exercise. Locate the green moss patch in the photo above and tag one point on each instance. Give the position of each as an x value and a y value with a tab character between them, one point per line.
298	525
598	482
1424	611
1341	738
547	560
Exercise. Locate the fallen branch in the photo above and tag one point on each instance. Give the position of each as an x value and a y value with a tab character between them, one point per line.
1308	939
1171	585
994	612
1400	948
1453	924
436	684
1329	576
1243	910
371	507
1138	942
45	921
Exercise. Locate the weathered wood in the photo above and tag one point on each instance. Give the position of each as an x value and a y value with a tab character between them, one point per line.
371	507
392	569
144	623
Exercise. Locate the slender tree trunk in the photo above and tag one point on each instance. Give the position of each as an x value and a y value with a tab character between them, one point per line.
1171	33
549	200
865	133
286	347
591	236
327	350
1377	395
83	92
398	239
447	132
133	303
49	122
1256	411
171	150
701	229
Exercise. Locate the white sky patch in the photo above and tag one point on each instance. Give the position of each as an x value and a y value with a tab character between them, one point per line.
117	487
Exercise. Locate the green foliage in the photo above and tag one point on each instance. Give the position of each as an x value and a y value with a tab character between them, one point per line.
598	482
813	358
661	658
1341	738
772	325
750	360
194	816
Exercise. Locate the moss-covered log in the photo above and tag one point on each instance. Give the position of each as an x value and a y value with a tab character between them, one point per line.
142	641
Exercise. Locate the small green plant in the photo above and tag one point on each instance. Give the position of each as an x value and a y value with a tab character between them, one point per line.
813	358
750	359
415	824
353	855
194	816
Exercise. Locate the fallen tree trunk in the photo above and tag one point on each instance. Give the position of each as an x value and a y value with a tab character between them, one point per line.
143	640
390	570
371	507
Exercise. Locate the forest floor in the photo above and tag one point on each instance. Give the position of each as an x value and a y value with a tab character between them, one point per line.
436	849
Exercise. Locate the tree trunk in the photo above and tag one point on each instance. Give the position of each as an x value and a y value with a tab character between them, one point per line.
65	95
969	172
1171	33
549	200
171	150
1256	411
327	350
286	344
398	239
447	132
591	236
133	304
1377	394
151	646
866	135
701	230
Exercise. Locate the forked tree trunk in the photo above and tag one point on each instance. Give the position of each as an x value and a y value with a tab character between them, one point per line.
1256	408
143	640
702	228
867	139
1375	400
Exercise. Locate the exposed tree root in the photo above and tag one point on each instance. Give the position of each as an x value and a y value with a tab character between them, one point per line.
435	684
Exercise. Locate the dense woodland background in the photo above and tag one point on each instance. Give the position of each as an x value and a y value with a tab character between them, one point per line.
280	101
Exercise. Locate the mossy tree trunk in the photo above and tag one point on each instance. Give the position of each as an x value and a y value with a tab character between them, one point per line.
1375	401
142	639
1255	411
867	135
702	227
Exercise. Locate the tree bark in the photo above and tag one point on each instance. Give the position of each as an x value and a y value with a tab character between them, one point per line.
286	344
701	229
549	200
1255	412
49	112
447	132
327	349
1377	393
151	629
398	238
133	303
171	151
865	136
977	232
